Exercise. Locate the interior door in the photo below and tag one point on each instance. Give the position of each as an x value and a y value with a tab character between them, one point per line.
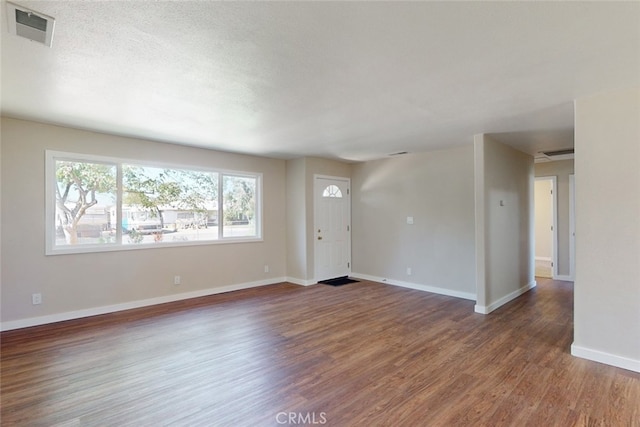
332	232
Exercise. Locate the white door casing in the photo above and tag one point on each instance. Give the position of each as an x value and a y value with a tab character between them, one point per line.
572	227
332	227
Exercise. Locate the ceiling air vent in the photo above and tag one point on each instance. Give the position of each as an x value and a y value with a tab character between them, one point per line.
563	152
548	156
30	24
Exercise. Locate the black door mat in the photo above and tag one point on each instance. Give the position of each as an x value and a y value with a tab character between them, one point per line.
338	281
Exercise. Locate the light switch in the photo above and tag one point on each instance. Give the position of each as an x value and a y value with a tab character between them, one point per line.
409	220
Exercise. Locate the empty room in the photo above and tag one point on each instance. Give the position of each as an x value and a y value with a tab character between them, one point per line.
319	213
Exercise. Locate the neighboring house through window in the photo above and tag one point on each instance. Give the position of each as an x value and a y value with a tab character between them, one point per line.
100	204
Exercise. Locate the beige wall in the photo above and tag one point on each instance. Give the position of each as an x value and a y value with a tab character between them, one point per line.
83	281
1	287
504	223
436	189
561	169
296	221
607	284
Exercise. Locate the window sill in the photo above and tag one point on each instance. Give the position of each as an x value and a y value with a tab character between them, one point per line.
87	249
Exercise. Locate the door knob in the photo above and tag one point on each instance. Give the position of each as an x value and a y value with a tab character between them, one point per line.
319	237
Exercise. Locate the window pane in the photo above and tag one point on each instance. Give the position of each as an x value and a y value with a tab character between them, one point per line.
168	205
97	204
85	194
239	206
332	191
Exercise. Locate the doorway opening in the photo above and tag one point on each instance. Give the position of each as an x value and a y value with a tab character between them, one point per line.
546	218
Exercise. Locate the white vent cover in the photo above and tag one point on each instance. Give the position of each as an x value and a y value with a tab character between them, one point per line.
30	24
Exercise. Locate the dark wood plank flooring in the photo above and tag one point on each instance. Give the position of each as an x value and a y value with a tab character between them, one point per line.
361	354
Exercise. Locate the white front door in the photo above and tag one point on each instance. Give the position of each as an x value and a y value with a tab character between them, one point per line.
332	232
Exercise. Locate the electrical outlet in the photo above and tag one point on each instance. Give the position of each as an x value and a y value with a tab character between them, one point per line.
36	299
410	220
266	268
177	280
408	271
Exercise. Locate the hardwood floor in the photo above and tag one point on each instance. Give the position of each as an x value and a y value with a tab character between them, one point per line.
360	354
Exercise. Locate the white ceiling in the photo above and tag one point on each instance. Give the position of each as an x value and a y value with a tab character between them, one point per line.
347	80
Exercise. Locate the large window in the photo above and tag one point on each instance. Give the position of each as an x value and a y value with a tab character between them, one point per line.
97	204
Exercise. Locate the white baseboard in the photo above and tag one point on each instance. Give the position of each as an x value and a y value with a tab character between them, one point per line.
482	309
606	358
417	286
563	277
543	258
77	314
301	282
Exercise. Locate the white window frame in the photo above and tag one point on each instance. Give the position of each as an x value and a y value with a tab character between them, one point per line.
51	248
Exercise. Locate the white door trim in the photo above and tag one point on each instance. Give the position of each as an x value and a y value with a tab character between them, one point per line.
572	227
315	216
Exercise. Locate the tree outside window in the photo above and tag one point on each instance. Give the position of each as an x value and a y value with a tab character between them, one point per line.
239	205
80	188
159	205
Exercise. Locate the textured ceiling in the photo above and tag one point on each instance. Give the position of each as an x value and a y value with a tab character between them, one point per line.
348	80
